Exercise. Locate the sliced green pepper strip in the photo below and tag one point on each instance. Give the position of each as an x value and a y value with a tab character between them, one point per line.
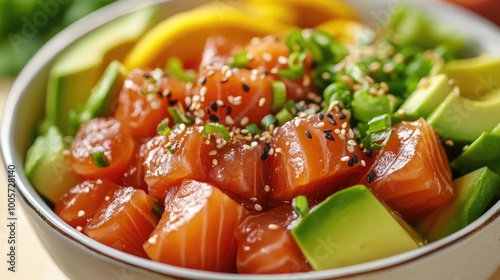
100	159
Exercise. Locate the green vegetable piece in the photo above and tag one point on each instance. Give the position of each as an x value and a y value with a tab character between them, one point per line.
103	96
283	116
175	68
80	66
300	205
239	60
279	94
269	120
427	97
476	77
379	123
45	162
253	129
352	226
463	120
295	66
179	115
338	91
366	106
484	151
163	127
100	159
216	128
474	191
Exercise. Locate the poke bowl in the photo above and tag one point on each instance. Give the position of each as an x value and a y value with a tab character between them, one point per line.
258	139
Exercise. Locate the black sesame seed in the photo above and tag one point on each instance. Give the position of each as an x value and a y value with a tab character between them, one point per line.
355	158
370	177
229	110
342	116
203	81
213	106
369	153
332	122
160	93
267	148
329	115
224	80
146	75
329	136
327	130
308	134
172	102
351	162
246	88
321	116
214	118
263	156
266	72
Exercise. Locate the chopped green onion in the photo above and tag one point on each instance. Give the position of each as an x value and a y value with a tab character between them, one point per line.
176	69
253	129
163	127
283	116
300	205
269	120
179	115
379	123
239	60
216	128
100	159
295	66
157	211
279	94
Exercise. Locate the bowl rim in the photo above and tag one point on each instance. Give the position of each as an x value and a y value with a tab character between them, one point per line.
34	201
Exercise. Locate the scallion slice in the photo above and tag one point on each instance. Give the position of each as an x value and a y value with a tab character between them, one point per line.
283	116
379	123
216	128
295	66
269	120
239	60
100	159
179	115
175	68
253	129
163	127
300	205
279	94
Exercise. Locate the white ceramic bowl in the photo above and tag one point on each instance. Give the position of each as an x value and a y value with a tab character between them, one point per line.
471	253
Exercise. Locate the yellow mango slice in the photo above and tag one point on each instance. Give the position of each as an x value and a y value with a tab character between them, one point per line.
345	30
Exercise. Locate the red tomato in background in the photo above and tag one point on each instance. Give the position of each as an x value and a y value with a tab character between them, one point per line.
266	246
108	136
411	173
197	229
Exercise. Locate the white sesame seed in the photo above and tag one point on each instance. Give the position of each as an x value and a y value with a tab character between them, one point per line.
350	149
106	198
267	188
229	73
346	158
253	199
152	240
343	131
262	101
244	121
351	142
229	120
272	226
267	56
282	60
258	207
81	213
326	75
297	121
215	162
155	104
271	152
254	144
79	228
363	163
246	147
212	153
344	125
182	126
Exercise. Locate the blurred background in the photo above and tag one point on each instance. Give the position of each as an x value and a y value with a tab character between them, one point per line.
25	25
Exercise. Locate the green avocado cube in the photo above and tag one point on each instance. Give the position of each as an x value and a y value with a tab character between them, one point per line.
350	227
475	191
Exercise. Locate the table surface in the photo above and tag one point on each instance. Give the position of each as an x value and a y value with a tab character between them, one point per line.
33	262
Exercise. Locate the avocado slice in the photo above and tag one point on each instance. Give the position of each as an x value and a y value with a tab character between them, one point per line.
463	120
46	165
485	151
352	226
476	76
427	97
103	96
475	191
79	67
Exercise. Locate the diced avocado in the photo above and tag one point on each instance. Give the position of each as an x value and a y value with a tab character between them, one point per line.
78	68
485	151
463	120
474	193
476	76
427	97
103	95
46	165
352	226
